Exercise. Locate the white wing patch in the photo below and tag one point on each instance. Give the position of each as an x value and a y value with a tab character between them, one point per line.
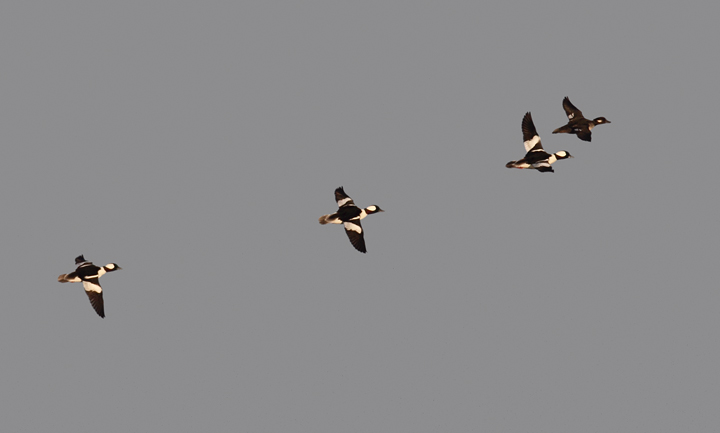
342	202
531	143
571	115
353	227
92	287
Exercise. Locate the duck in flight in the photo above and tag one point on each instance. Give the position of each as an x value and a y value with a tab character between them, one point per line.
577	124
350	215
90	274
536	157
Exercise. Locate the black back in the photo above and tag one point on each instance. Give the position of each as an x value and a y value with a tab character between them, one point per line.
87	270
535	156
346	213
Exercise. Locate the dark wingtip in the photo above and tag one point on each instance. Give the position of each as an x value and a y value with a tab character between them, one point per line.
361	248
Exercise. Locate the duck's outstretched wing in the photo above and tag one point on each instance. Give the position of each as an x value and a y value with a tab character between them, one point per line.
531	139
72	277
343	199
94	292
572	111
355	233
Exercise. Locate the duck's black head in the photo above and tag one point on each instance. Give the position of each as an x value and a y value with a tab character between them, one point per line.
373	209
600	120
563	154
112	267
80	259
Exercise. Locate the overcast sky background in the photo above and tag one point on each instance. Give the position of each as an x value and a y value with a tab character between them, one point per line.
196	144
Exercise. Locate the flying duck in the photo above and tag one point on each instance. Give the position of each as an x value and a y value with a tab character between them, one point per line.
350	215
578	124
90	274
536	157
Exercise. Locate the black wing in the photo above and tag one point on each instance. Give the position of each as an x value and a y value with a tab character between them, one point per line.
572	111
343	199
94	292
355	233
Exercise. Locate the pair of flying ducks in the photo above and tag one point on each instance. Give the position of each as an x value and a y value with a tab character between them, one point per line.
536	157
347	214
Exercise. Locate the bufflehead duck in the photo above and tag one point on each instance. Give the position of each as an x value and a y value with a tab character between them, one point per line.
350	215
536	157
90	274
578	124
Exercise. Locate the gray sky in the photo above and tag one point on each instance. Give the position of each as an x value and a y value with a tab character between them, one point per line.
196	144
